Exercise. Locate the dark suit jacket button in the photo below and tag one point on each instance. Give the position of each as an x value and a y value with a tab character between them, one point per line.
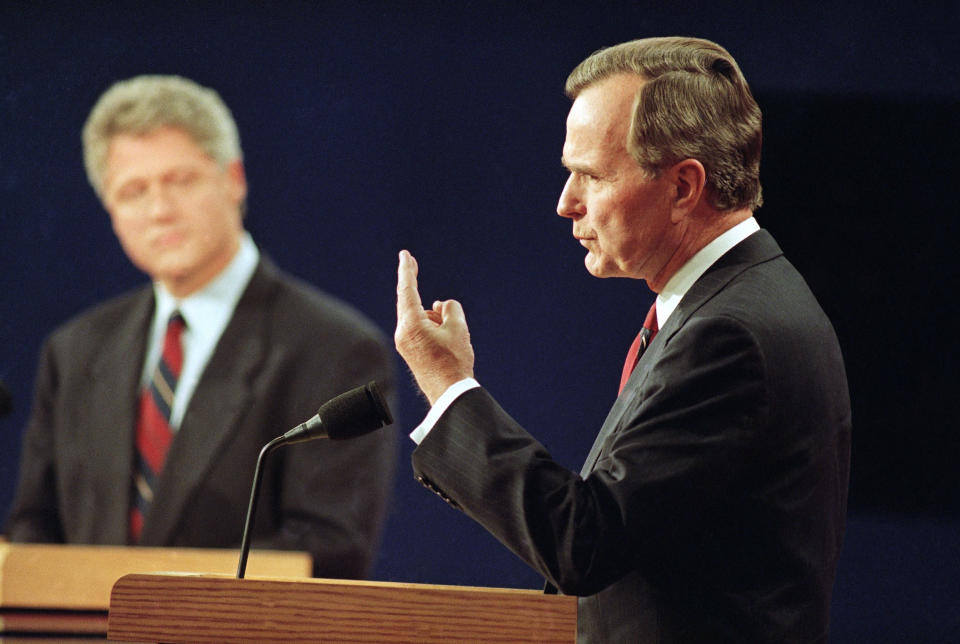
427	483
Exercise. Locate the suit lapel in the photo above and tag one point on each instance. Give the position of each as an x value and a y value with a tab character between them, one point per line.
613	417
757	248
215	411
110	415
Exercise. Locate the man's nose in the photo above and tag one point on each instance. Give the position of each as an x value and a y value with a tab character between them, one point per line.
570	204
161	202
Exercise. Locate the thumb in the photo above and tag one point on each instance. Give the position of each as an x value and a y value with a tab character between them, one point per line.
452	313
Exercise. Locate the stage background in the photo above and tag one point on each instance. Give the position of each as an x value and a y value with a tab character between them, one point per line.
437	126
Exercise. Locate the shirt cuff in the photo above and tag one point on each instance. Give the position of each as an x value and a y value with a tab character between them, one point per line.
446	399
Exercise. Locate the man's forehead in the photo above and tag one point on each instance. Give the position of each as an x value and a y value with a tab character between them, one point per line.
607	104
599	121
131	153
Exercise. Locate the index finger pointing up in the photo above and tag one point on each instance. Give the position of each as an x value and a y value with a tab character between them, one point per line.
408	298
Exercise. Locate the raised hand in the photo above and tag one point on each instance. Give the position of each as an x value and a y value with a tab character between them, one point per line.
435	343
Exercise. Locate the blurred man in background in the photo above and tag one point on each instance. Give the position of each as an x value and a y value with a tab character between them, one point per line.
150	409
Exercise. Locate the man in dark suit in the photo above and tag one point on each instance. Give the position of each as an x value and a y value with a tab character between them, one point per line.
711	507
256	352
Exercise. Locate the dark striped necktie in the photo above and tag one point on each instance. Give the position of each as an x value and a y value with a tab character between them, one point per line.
644	338
154	435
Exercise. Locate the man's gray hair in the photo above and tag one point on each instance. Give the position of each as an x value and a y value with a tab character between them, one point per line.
696	104
143	104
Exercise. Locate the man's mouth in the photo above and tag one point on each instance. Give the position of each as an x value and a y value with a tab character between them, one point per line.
168	239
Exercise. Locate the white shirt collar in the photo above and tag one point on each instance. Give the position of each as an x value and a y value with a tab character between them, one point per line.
677	286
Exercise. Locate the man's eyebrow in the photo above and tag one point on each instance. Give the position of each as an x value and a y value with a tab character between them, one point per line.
574	167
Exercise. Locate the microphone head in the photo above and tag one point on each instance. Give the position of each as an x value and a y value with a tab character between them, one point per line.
355	413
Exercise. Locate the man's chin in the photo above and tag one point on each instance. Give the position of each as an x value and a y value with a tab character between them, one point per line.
173	273
595	268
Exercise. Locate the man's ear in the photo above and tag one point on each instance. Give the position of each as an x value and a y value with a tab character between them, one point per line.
689	180
238	180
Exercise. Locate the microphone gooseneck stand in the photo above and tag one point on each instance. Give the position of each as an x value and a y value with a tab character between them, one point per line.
252	507
351	414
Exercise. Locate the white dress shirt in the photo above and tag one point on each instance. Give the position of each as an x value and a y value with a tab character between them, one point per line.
667	301
206	314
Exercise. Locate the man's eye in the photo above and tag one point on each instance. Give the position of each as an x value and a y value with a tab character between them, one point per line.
130	191
182	178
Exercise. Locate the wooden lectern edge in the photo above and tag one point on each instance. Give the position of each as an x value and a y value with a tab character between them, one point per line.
80	577
196	607
404	585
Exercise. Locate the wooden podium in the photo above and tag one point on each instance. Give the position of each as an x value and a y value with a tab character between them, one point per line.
221	608
61	590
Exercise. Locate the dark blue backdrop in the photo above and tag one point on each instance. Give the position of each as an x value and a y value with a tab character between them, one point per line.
437	126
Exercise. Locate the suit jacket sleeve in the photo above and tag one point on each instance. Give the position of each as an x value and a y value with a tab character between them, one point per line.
712	505
34	517
663	480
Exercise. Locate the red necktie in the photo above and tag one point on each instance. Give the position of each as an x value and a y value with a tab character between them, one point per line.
153	424
644	338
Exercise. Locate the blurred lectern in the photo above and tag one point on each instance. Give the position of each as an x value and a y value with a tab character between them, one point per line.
221	608
61	591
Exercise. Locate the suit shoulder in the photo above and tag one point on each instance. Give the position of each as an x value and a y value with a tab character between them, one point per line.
300	300
770	306
776	291
99	319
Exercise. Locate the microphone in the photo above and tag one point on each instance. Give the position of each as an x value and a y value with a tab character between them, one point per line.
349	415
